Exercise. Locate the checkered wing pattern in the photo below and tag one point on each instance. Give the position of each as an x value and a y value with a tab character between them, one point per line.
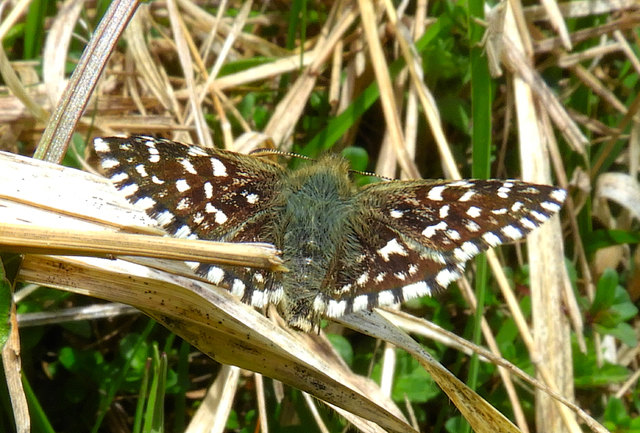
199	193
415	236
348	249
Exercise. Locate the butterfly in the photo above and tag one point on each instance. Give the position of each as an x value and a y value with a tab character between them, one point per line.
347	248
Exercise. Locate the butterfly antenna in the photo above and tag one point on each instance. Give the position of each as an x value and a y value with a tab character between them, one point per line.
369	173
269	152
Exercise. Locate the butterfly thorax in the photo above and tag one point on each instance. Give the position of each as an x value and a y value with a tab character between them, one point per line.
316	211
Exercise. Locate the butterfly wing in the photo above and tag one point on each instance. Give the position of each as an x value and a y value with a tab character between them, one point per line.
199	194
414	237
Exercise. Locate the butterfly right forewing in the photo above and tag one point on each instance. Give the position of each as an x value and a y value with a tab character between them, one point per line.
191	191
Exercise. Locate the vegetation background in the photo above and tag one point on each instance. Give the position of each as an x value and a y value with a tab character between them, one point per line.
547	92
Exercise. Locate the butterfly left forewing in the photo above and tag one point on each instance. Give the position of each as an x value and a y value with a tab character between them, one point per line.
459	219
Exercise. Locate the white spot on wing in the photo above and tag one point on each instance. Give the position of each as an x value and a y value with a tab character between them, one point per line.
258	298
527	223
551	207
392	247
100	145
156	180
491	239
363	278
119	177
452	234
182	232
219	168
435	193
336	308
559	195
238	288
386	298
444	211
188	166
502	211
182	185
415	290
445	277
319	304
539	216
474	212
110	163
215	274
360	302
467	195
145	203
208	190
429	231
141	170
165	218
472	226
511	232
129	190
466	251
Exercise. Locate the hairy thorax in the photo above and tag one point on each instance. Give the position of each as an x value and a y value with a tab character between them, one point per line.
316	215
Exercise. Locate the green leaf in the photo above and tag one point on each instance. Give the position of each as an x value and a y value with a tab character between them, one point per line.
605	292
412	381
5	306
615	415
622	331
342	346
606	238
357	156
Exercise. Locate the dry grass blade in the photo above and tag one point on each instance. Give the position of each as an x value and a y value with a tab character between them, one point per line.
21	238
83	80
482	417
213	413
220	326
12	365
546	258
